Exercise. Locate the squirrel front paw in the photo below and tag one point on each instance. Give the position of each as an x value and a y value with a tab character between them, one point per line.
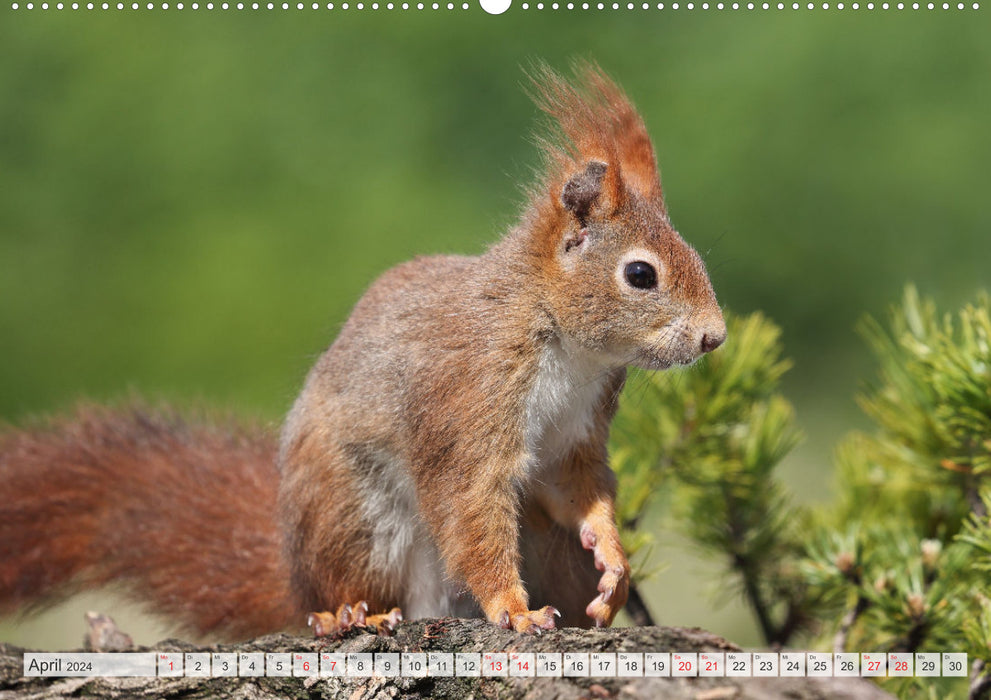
531	621
614	586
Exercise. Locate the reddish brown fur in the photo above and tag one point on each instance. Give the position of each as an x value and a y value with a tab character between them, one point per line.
447	452
594	120
313	519
182	513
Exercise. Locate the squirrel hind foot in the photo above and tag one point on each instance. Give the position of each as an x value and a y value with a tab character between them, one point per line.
348	616
386	623
328	624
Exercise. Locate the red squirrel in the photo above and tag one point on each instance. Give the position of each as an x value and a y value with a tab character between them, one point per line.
447	454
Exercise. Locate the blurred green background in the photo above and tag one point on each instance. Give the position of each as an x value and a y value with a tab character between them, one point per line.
190	203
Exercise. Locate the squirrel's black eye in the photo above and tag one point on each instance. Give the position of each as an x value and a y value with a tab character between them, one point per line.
641	275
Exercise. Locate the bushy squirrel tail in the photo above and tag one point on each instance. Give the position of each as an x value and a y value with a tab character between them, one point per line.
181	513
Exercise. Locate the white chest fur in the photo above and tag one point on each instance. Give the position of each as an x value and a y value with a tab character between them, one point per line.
560	409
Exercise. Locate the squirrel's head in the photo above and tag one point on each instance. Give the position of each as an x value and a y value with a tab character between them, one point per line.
618	278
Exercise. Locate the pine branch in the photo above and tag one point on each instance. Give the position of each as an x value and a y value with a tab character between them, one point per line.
847	623
756	600
637	608
980	681
794	620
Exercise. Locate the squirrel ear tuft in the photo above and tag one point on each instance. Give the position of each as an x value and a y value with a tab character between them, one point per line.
583	189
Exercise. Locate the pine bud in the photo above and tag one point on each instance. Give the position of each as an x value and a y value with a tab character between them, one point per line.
930	552
916	605
881	583
844	562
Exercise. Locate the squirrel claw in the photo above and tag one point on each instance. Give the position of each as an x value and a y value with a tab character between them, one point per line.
504	620
605	606
359	613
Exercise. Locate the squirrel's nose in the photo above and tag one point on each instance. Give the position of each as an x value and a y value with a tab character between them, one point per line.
711	341
714	336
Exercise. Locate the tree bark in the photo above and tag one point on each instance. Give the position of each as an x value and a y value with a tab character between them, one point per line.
444	635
